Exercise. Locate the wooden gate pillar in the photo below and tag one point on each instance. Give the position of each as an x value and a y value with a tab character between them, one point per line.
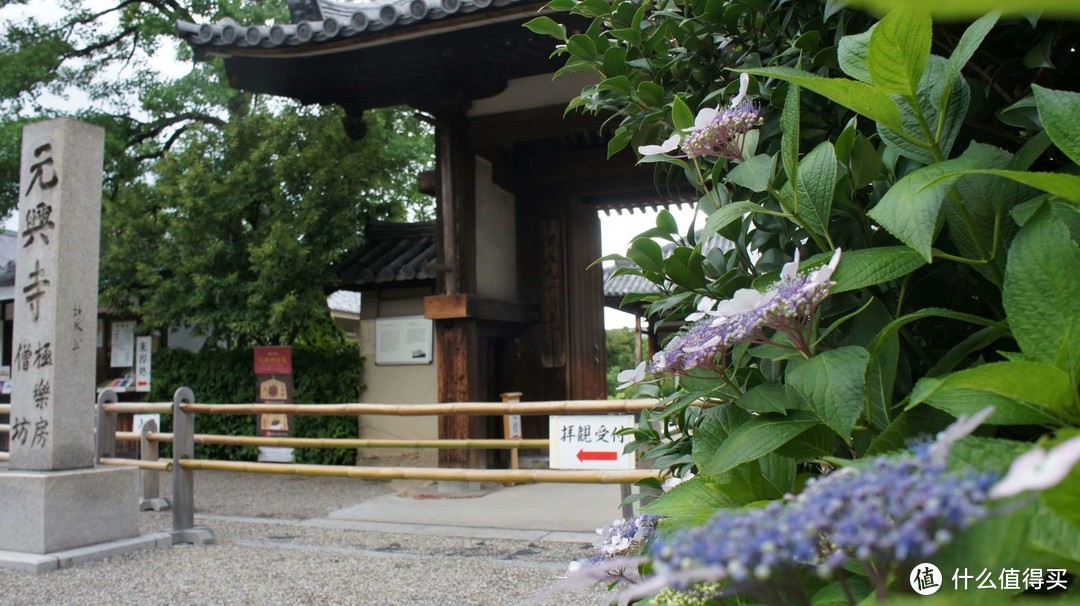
456	340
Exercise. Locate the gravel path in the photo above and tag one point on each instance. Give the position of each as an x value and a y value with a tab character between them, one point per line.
266	555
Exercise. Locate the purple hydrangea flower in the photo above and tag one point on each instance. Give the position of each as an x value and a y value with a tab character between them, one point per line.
785	307
721	132
716	132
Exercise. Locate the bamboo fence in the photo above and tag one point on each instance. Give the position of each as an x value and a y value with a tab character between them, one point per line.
159	465
404	410
130	436
520	476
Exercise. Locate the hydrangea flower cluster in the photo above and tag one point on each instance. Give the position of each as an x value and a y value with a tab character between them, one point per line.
623	535
699	594
721	132
785	307
717	132
894	510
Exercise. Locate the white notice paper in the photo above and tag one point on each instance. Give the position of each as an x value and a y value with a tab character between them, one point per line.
123	344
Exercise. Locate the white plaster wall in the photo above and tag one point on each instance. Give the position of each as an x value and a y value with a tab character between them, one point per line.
182	338
396	385
496	237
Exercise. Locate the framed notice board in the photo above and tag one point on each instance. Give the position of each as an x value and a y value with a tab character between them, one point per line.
404	340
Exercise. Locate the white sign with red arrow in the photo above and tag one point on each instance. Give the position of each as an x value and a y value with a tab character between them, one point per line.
589	442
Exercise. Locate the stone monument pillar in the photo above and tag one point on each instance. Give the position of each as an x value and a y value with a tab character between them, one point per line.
53	500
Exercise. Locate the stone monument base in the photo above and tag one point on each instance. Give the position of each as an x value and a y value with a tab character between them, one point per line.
48	514
35	563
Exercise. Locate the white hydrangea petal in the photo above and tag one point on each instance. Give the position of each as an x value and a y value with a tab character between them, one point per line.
824	273
790	269
744	85
960	429
704	117
668	145
744	300
1038	469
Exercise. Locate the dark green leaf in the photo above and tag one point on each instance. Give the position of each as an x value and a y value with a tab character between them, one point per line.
582	47
548	27
751	440
898	51
834	385
725	215
692	502
647	254
1023	393
871	266
817	181
789	141
681	116
1058	111
852	55
1042	292
861	98
909	210
753	174
767	397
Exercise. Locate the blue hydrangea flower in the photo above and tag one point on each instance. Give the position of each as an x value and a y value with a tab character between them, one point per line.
895	509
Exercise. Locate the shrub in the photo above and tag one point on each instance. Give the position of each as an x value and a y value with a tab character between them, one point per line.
330	375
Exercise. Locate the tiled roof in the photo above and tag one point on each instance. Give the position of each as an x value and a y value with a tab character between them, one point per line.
394	252
326	20
619	286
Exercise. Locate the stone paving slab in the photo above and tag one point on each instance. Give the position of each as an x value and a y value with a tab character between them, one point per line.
577	509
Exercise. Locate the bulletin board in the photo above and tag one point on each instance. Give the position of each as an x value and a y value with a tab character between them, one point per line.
404	340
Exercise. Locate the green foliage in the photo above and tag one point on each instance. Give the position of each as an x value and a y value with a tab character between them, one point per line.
940	157
238	236
620	356
223	211
324	375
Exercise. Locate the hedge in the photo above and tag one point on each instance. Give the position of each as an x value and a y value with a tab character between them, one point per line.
321	376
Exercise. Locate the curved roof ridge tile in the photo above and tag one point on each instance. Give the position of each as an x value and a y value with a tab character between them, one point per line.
322	20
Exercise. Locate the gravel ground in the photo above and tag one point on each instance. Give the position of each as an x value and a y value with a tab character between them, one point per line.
265	555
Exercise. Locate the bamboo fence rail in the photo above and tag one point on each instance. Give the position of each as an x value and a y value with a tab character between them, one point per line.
130	436
5	409
520	476
159	465
4	456
5	428
404	410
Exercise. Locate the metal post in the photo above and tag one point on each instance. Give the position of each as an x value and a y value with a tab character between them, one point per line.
184	529
106	426
151	483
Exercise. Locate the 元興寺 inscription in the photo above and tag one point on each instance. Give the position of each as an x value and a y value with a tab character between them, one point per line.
37	170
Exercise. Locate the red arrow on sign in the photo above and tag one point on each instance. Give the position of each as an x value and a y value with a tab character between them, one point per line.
597	455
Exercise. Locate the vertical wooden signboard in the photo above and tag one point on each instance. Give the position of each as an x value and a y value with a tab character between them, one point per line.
273	385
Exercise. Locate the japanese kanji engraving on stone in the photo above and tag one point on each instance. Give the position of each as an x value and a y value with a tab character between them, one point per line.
56	293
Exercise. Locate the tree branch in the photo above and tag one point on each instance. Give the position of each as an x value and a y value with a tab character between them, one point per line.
164	149
88	50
